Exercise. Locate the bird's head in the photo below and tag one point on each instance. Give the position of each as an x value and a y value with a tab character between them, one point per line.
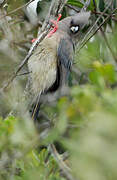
75	25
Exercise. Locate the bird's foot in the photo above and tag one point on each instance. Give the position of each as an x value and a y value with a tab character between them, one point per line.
55	27
55	23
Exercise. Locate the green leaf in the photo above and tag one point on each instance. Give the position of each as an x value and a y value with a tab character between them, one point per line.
91	6
97	79
75	3
114	4
101	5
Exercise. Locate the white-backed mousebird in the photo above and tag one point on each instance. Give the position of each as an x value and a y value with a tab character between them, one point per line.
52	60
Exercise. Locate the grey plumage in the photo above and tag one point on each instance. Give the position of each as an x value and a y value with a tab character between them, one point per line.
52	60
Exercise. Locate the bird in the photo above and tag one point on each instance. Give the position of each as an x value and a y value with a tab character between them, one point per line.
51	62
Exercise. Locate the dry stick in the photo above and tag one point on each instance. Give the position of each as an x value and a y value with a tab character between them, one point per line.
17	9
101	13
65	169
114	19
86	5
25	73
62	6
72	7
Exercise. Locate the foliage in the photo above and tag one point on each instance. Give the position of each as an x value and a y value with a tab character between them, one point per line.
84	123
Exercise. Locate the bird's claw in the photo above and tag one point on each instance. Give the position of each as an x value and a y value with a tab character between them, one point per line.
55	27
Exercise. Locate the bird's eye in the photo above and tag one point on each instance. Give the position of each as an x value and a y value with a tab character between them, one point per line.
74	29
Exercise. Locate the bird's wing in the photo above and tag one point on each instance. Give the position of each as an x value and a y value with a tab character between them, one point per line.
65	58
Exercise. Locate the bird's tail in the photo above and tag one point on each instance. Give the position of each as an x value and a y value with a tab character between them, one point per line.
36	108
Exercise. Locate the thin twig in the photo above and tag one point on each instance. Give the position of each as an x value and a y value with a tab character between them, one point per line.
72	7
25	73
114	19
86	5
65	169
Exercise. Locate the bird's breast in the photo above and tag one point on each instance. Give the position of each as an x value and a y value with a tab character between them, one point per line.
43	66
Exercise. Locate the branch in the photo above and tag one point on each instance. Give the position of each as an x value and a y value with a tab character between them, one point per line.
86	4
65	169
